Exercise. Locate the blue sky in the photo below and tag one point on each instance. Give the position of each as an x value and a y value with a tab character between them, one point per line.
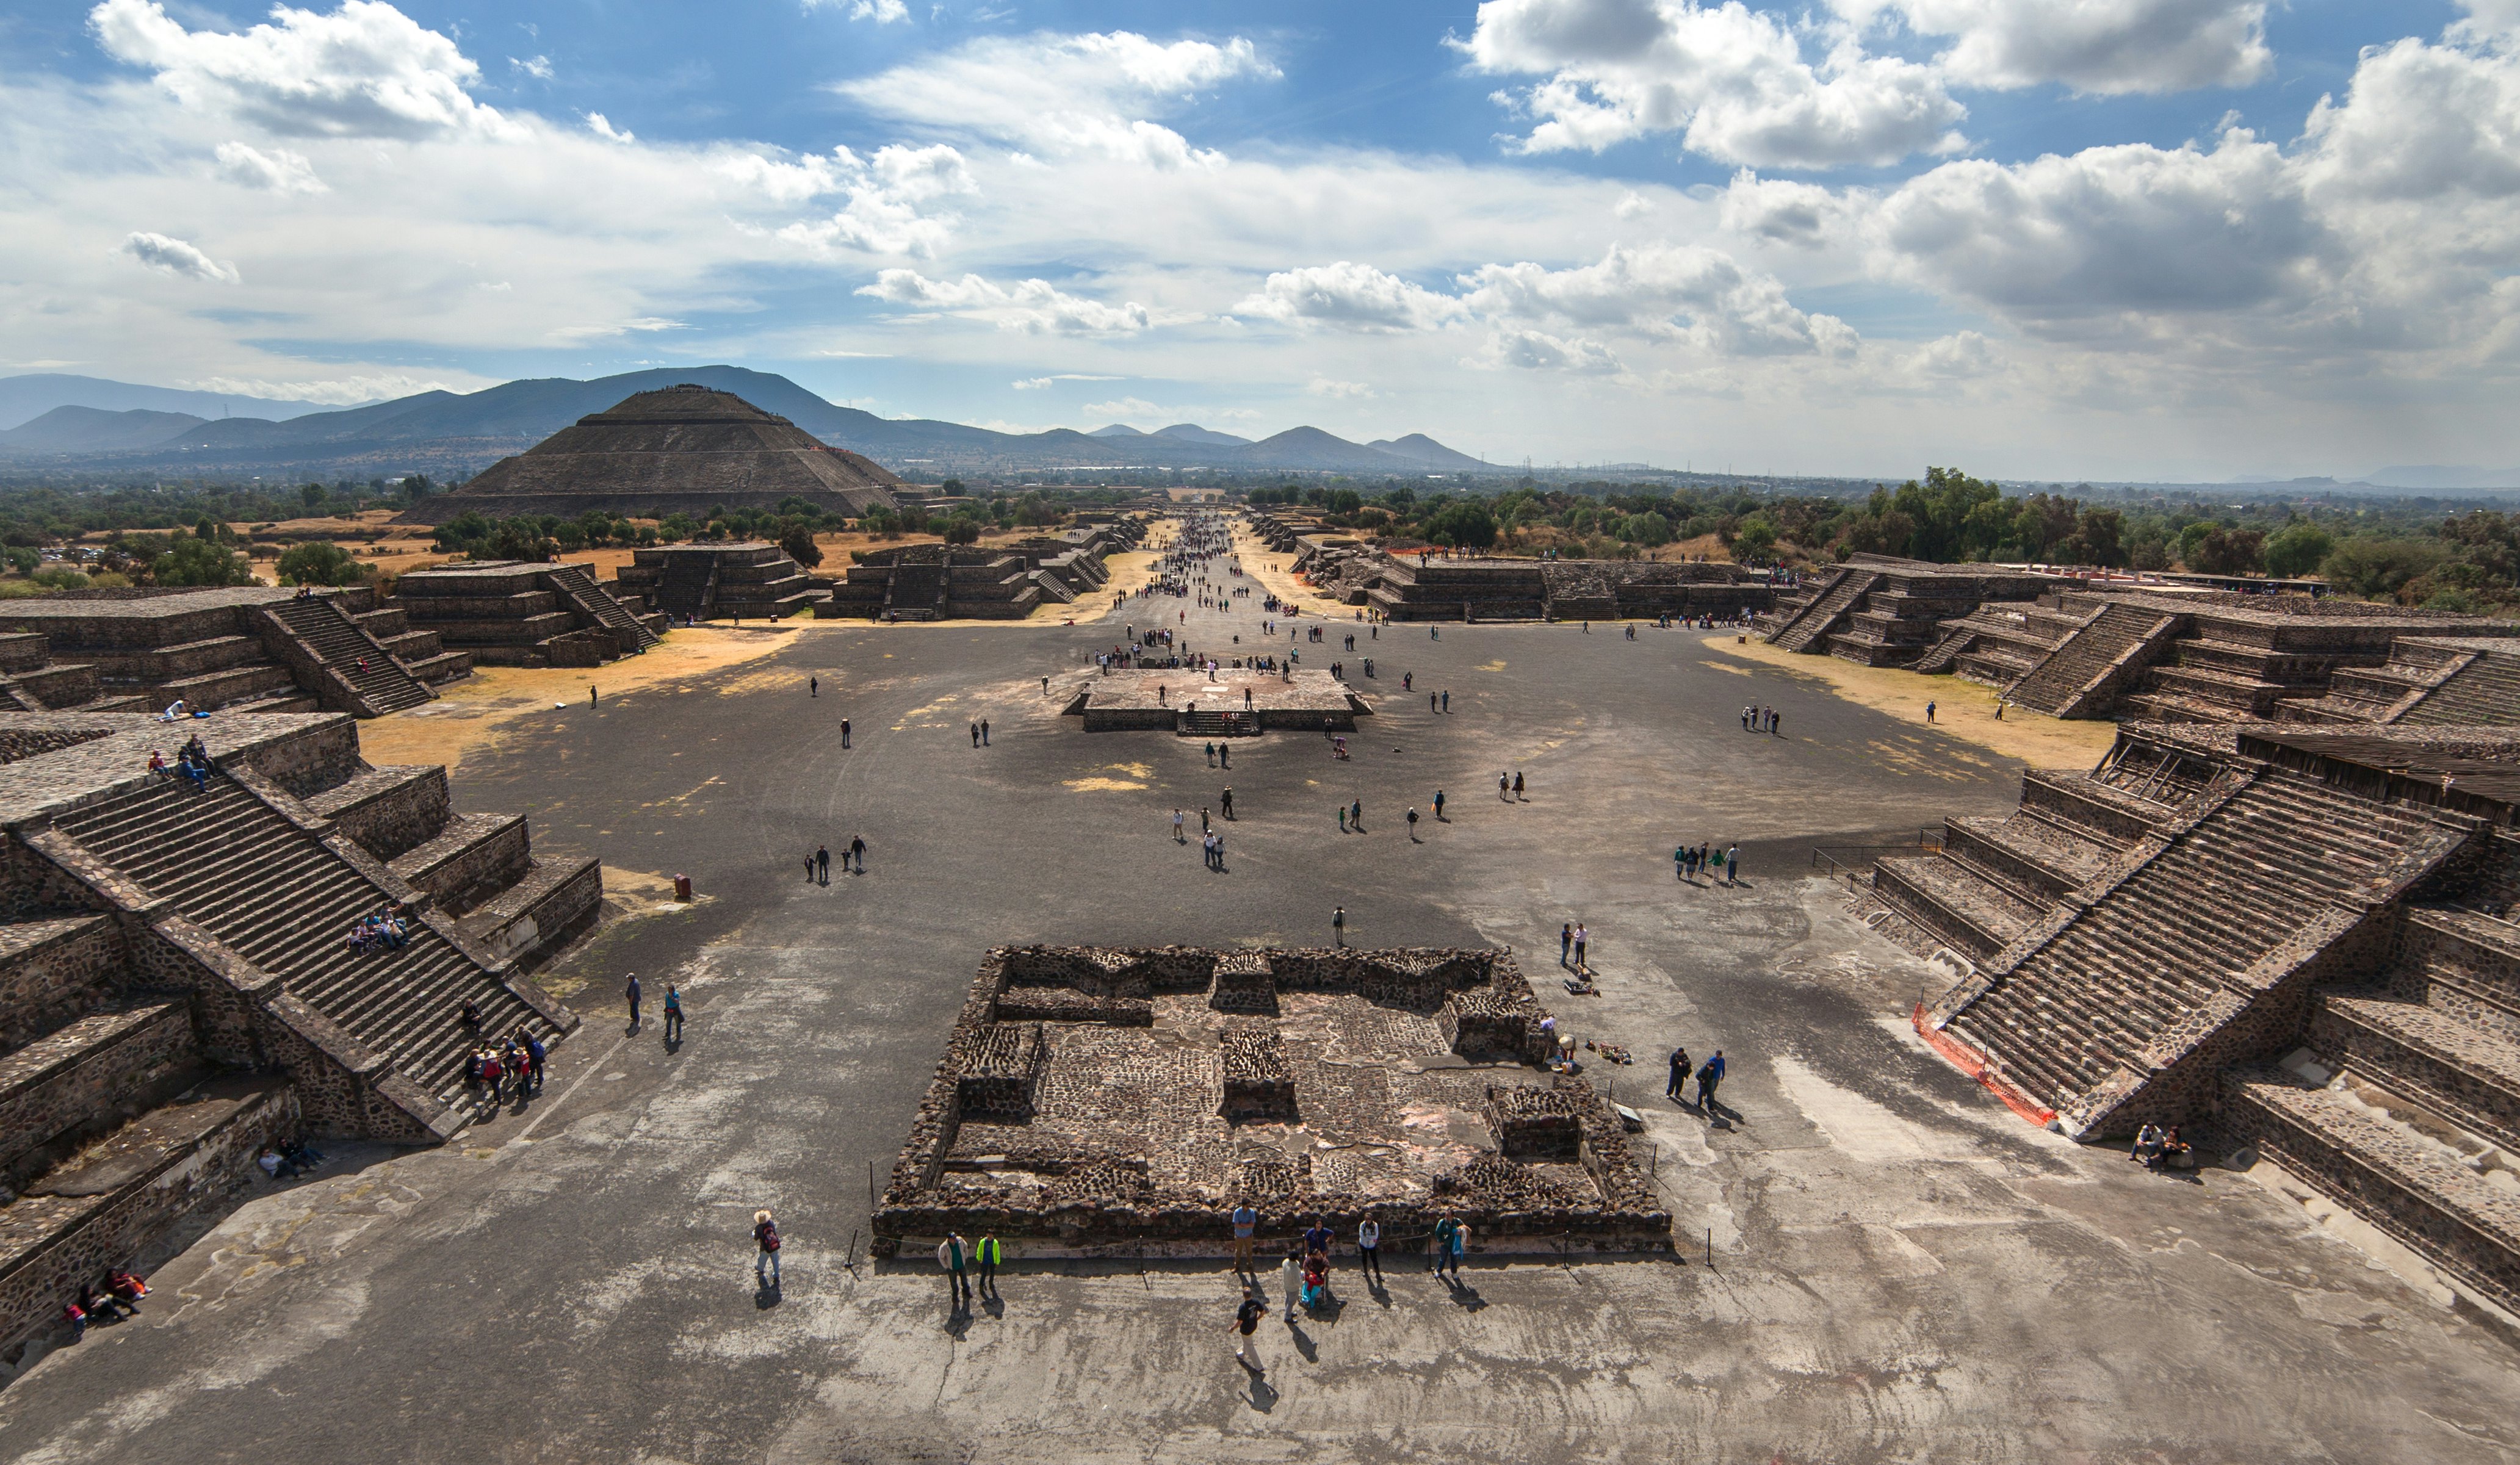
2037	238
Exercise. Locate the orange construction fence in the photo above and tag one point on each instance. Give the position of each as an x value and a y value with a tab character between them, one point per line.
1970	1061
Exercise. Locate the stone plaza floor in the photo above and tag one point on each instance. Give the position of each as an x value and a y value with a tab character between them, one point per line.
1901	1270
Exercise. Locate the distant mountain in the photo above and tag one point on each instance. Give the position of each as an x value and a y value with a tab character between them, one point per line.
2435	475
446	433
86	429
23	399
1117	430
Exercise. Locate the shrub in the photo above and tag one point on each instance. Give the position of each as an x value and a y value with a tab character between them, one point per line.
319	564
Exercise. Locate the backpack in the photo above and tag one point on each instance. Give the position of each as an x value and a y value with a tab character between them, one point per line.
769	1236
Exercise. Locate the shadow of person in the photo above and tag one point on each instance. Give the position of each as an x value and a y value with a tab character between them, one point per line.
1304	1343
993	1305
1264	1397
674	1045
1465	1296
1381	1294
765	1293
957	1320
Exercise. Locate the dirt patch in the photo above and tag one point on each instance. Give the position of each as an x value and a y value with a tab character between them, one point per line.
1103	786
1961	709
1275	570
475	712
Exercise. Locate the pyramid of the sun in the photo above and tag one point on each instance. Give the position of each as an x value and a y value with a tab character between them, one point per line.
683	448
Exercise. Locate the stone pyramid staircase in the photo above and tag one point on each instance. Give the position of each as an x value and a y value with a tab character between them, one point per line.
339	644
2082	675
579	589
1219	725
277	893
689	586
1808	629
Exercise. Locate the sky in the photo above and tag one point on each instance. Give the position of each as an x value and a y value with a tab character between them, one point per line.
2170	240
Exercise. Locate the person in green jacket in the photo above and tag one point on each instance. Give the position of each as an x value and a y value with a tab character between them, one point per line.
989	1258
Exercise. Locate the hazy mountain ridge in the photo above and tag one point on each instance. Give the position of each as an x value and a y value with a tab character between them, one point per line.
440	432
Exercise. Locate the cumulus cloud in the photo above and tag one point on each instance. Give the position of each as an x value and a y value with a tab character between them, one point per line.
1348	296
1676	290
1960	356
336	391
601	126
1038	383
538	67
1784	213
2103	46
174	256
1330	386
278	172
1539	351
1065	95
1732	81
1033	307
366	69
882	12
890	200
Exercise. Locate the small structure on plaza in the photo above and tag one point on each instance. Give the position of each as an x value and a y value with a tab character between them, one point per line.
1234	702
2294	939
1414	587
189	972
681	450
747	580
1106	1101
245	648
513	613
1007	582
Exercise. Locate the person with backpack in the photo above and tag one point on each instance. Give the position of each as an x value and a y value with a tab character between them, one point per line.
765	1237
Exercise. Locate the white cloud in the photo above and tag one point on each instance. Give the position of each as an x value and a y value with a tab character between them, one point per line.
1125	408
338	391
601	126
1348	296
1033	307
2487	19
888	197
1962	355
1631	205
367	70
882	12
2101	46
278	172
1328	386
176	257
1065	95
1674	290
1730	80
538	67
1783	213
1539	351
1038	383
609	330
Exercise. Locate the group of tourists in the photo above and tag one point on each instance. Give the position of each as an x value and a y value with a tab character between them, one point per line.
496	1071
115	1295
1688	863
384	931
1304	1274
818	865
1710	1077
192	764
1758	719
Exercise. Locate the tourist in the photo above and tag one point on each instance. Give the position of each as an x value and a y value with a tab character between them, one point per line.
1440	1245
1320	1238
1338	924
1439	803
1583	937
157	765
809	868
1246	1321
984	731
813	687
127	1289
1412	825
1247	1222
1733	864
857	852
274	1163
1680	861
1178	837
1448	699
1290	1276
1317	1280
535	1056
1708	1077
673	1013
590	697
1342	819
76	1316
1368	1247
844	732
1677	1090
2175	1153
765	1241
1505	787
630	991
1461	1242
951	1255
975	735
1209	749
1565	942
823	860
1929	712
494	1077
1517	785
989	1254
1226	803
1356	815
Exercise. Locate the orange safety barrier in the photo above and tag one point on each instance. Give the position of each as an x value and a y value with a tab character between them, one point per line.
1970	1061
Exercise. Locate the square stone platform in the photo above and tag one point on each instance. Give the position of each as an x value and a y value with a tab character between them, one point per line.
1180	700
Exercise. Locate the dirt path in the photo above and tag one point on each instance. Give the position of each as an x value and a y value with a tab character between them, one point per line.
1275	569
1962	709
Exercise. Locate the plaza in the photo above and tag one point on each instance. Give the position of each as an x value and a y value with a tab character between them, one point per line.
1872	1256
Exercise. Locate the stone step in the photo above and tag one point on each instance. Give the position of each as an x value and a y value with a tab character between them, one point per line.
2464	962
1955	901
2468	1076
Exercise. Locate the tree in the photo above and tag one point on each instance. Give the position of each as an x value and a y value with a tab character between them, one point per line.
2298	548
799	544
313	495
1756	536
961	529
950	488
2370	564
317	562
2229	551
198	561
1464	523
417	487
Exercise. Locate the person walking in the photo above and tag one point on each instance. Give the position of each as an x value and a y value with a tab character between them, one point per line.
535	1054
1368	1247
765	1240
1210	749
844	732
590	697
1246	1222
813	687
953	1256
1412	825
1226	803
1356	815
1338	925
984	731
1504	785
630	989
1342	819
1733	864
1677	1090
823	860
1439	803
1246	1321
990	1255
1178	836
1517	785
1708	1078
1290	1276
857	851
673	1013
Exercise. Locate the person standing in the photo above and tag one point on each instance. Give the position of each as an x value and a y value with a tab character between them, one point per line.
1320	1239
1733	864
975	735
953	1256
590	697
844	732
1290	1276
1565	942
823	860
1708	1078
1356	815
535	1054
630	989
809	869
765	1239
1448	699
1368	1247
1413	824
1503	784
857	851
1338	925
1342	817
984	731
1439	803
813	687
1226	803
1246	1321
1929	712
990	1254
1246	1222
1680	861
1517	785
1583	938
1677	1090
1178	836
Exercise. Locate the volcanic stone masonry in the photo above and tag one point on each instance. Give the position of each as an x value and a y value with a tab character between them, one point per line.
1192	704
2293	940
1402	589
941	582
176	989
240	648
511	613
1104	1102
748	580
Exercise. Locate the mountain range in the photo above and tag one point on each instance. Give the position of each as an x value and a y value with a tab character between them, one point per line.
447	435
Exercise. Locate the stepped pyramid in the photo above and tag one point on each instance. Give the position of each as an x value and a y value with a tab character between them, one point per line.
684	448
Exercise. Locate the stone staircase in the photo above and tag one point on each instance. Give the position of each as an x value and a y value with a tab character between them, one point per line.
1808	628
688	586
2081	676
284	897
382	684
2265	855
1218	725
578	589
918	591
